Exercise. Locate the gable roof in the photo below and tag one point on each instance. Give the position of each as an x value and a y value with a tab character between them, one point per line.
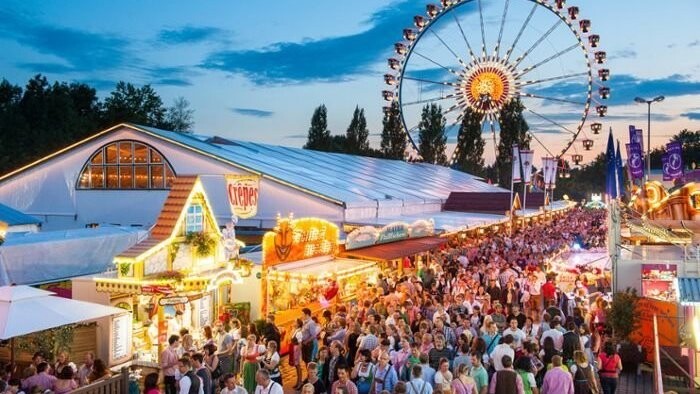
342	179
14	217
182	189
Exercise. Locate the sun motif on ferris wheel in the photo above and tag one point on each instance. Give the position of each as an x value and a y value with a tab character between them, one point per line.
480	54
486	87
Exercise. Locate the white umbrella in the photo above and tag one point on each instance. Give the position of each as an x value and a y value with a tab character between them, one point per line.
25	310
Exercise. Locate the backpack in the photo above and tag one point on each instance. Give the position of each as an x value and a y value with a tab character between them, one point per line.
194	382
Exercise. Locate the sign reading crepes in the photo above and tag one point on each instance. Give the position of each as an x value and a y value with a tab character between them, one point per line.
242	192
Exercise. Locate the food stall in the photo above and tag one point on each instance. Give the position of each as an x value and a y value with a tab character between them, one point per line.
182	276
301	270
658	281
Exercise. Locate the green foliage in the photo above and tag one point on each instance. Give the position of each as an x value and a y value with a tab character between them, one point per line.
691	149
433	140
50	342
43	118
319	137
470	144
622	315
514	130
124	269
203	243
587	179
393	145
357	134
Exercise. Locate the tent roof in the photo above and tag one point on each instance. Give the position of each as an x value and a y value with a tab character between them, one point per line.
25	310
14	217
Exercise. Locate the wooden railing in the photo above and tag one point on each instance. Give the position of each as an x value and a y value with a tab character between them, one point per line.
117	384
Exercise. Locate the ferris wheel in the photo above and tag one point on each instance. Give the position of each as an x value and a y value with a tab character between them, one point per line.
479	54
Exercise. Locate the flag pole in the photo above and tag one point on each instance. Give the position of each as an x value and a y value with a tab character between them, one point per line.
512	185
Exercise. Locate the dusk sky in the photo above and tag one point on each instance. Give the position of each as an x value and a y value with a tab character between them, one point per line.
256	70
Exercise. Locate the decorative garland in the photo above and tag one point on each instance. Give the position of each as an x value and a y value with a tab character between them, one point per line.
204	244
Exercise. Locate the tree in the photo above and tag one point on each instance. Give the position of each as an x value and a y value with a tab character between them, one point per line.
128	103
433	140
179	116
470	144
514	130
622	316
319	137
691	149
589	178
393	145
357	134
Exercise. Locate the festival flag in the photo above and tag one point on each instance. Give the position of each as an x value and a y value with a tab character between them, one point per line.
664	166
516	164
637	136
553	177
526	157
545	172
634	161
674	150
610	173
620	174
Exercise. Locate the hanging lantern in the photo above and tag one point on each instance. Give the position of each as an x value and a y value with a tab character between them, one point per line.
596	127
390	79
585	25
446	3
394	63
577	158
409	34
587	144
604	74
560	3
604	92
388	95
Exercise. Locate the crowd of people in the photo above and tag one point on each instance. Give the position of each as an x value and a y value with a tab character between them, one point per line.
482	315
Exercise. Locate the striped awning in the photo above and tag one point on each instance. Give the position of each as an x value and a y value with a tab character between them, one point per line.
689	290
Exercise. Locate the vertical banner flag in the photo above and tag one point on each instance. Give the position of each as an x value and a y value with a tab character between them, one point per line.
664	166
545	172
634	161
610	168
637	136
618	169
553	177
242	192
674	150
526	157
516	164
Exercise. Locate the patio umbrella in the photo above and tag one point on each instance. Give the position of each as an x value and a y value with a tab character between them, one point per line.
25	310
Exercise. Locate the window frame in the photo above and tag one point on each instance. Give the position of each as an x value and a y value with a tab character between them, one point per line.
86	169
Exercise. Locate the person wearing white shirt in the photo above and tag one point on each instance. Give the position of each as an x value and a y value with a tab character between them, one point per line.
501	350
265	384
555	333
417	385
517	334
231	385
189	378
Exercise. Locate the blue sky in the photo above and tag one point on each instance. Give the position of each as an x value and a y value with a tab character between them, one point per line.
257	70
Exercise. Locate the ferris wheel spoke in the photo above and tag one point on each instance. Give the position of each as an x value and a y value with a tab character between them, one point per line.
561	100
443	83
449	96
559	77
436	63
483	32
500	32
459	59
552	121
541	144
471	52
520	33
549	59
537	43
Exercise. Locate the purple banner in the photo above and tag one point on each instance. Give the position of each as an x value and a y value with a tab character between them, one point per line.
634	160
664	166
674	150
637	136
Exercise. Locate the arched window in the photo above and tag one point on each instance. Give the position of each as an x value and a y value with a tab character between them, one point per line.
126	165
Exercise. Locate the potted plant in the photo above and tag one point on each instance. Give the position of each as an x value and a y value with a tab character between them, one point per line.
203	243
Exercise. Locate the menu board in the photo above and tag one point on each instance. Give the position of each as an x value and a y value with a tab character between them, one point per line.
204	311
121	336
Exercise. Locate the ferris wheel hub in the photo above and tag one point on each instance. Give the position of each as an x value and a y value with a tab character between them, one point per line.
486	86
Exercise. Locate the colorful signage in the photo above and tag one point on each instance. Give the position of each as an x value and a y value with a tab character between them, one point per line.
242	192
157	289
675	159
173	300
634	160
669	323
368	235
299	239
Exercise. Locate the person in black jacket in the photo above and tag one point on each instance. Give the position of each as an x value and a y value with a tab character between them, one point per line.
270	332
337	360
571	342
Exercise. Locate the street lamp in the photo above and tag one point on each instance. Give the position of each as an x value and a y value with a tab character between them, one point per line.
640	100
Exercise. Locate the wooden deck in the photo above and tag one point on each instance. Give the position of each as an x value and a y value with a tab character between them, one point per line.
631	383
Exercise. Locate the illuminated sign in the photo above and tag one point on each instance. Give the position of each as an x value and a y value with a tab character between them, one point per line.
299	239
242	192
368	235
173	301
